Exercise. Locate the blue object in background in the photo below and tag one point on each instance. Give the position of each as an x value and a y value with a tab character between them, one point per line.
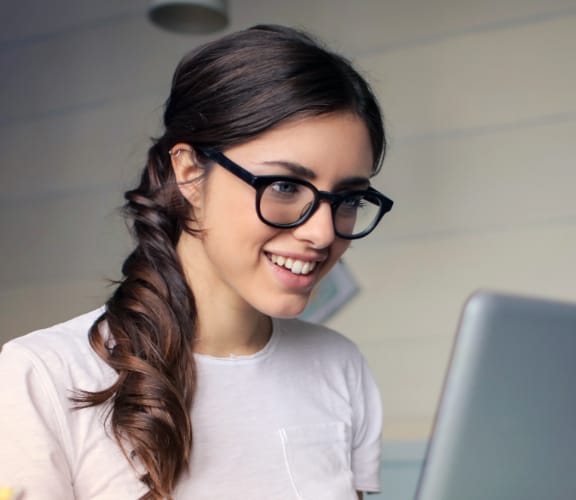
400	470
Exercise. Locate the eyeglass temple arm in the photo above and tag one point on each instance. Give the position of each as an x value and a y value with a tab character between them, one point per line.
228	165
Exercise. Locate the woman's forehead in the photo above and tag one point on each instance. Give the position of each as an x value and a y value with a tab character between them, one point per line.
338	139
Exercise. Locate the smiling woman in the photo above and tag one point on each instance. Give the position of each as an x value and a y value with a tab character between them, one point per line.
195	380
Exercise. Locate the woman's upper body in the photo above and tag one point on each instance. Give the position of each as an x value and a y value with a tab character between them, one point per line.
299	419
254	191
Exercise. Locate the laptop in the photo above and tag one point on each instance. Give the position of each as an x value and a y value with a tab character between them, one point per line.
505	428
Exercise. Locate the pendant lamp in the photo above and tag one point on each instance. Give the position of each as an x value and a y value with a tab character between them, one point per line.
189	16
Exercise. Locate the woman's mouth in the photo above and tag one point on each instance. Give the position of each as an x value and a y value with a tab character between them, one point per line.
295	266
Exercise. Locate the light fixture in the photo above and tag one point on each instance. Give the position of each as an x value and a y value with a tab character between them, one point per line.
189	16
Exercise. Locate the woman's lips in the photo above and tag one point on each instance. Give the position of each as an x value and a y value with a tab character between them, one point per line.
295	266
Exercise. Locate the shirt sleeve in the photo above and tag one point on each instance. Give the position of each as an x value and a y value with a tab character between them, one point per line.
366	430
33	456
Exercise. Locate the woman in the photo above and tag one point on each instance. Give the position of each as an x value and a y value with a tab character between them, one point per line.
193	381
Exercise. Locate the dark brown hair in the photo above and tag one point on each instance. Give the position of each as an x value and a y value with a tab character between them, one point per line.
224	93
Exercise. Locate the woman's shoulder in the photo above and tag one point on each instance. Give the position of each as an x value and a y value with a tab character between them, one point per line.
59	351
65	336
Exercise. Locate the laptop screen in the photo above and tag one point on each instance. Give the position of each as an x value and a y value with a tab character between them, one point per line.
506	424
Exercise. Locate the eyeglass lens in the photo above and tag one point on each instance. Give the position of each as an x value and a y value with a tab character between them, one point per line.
286	203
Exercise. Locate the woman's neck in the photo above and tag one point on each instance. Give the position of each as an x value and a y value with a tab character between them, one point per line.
225	324
226	332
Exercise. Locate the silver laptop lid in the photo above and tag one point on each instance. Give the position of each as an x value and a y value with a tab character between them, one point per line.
506	424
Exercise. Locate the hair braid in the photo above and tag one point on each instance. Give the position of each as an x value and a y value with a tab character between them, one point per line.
151	320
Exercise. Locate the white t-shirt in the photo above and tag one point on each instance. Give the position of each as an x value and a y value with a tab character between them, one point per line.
299	420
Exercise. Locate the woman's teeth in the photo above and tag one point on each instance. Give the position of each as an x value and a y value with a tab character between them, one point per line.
294	265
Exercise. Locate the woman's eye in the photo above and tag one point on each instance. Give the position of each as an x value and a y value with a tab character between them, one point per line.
285	187
353	202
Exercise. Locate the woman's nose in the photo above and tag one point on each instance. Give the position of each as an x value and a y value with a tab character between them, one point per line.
319	228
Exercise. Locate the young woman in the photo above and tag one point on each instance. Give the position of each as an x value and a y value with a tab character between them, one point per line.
193	382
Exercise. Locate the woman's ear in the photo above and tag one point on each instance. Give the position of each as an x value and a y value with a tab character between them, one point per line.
187	170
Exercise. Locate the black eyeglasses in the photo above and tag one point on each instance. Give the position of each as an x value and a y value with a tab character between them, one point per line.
285	202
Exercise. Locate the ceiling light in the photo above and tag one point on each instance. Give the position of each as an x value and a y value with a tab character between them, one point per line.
189	16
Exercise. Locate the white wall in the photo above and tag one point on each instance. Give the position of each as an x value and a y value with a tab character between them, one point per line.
479	101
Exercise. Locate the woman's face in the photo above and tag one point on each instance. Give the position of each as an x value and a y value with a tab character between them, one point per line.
239	260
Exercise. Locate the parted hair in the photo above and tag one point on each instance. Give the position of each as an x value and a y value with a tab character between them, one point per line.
223	93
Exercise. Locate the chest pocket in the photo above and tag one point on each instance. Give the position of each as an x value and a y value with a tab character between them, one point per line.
318	461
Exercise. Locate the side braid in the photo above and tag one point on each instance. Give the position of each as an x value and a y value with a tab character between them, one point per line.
151	317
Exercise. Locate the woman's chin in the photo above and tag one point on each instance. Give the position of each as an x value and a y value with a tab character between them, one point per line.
290	309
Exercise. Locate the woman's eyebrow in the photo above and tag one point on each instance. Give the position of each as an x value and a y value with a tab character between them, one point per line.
353	183
302	171
294	168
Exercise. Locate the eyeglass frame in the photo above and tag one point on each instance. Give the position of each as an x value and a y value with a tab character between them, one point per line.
261	182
